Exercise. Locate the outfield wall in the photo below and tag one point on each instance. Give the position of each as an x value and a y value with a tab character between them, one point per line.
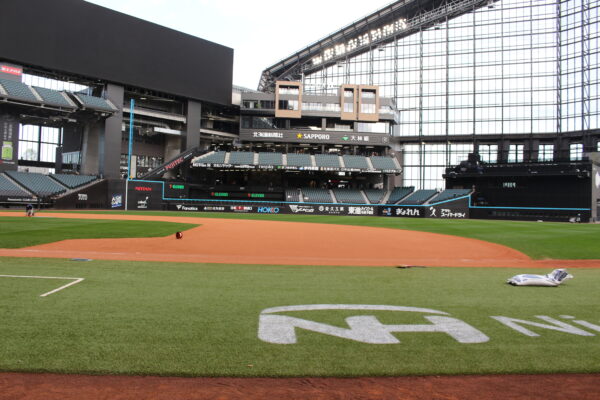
152	195
455	210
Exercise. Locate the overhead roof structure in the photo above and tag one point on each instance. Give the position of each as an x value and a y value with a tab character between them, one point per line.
75	37
398	19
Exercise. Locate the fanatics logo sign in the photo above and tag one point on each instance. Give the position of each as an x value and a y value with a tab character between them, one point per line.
11	70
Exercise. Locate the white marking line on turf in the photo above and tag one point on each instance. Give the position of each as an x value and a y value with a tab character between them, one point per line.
75	281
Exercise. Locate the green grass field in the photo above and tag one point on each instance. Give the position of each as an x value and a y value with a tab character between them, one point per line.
203	319
198	319
24	232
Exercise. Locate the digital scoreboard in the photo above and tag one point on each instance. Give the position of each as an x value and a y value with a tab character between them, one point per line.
176	190
240	195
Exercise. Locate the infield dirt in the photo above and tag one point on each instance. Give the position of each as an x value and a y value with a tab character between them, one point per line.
289	243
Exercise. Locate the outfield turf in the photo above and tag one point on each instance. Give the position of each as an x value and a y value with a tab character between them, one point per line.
538	240
24	232
199	319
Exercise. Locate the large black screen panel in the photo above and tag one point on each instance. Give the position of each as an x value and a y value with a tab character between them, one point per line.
77	37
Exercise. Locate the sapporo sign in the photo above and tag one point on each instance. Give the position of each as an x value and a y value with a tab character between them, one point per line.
277	328
293	136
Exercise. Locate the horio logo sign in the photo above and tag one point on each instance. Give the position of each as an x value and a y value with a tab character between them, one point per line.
277	328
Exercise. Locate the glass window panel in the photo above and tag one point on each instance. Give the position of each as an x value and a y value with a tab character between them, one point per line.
515	153
29	132
488	153
28	151
50	135
575	151
546	152
48	152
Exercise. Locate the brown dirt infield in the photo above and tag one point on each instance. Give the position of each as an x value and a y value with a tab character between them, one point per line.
286	243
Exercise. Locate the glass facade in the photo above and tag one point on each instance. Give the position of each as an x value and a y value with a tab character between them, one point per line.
546	152
38	143
493	77
576	151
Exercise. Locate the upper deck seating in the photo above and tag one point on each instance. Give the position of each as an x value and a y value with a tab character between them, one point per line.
419	197
399	193
8	188
292	195
41	185
327	160
95	103
217	157
73	181
298	160
449	194
348	196
265	158
383	163
19	91
374	195
241	158
312	195
54	98
358	162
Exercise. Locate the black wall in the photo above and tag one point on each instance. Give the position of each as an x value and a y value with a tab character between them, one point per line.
77	37
566	185
94	196
535	191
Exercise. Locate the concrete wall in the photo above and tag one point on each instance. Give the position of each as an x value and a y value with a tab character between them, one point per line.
90	148
192	129
102	141
110	139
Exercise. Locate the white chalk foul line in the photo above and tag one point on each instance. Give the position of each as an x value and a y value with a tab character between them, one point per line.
75	281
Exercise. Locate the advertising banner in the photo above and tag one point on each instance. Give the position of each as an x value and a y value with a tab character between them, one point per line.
330	137
9	140
17	199
201	164
456	209
278	208
144	196
400	211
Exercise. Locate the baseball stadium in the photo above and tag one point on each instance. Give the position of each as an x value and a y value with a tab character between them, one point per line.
346	230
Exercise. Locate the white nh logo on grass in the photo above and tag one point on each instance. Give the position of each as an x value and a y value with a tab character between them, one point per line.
281	329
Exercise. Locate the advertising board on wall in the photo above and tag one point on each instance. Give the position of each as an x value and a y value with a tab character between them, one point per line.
399	211
11	70
331	137
17	199
9	140
450	210
456	209
116	200
144	195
